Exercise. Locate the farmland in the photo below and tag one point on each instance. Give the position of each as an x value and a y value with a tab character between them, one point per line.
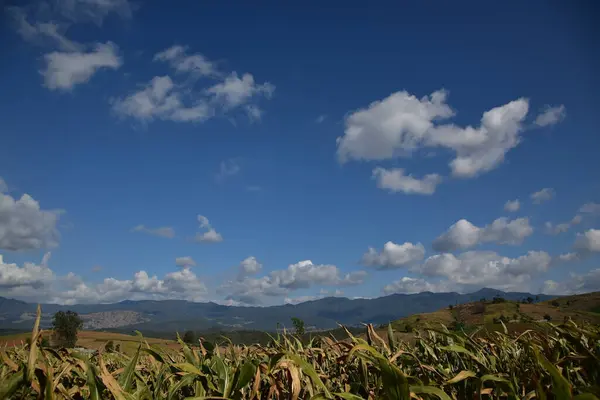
560	361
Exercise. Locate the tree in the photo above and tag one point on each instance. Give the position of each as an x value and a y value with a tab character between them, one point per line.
555	303
450	307
109	347
189	337
66	324
298	326
530	299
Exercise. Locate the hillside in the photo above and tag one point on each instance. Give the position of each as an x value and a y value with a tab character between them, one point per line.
175	315
97	340
517	316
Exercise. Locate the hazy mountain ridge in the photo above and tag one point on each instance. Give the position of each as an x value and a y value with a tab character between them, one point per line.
179	315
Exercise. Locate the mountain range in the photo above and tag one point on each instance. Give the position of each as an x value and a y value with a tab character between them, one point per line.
178	315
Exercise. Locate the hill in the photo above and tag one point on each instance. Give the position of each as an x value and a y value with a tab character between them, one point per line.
176	315
97	340
517	316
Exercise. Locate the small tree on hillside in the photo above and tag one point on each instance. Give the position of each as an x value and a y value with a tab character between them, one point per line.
530	300
189	337
66	324
298	326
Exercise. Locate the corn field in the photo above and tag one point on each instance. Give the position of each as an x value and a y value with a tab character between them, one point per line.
563	363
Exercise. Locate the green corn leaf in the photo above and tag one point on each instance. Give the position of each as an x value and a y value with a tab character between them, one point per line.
439	393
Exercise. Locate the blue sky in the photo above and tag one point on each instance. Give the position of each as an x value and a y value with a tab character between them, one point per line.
299	133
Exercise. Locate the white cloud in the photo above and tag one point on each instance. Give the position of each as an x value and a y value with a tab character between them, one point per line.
250	266
254	112
485	269
65	70
301	275
463	234
234	91
227	168
394	255
402	123
164	231
320	118
210	236
29	275
409	285
551	115
38	283
590	208
568	257
3	186
588	241
397	181
24	226
161	99
195	64
92	10
542	195
185	262
42	32
512	205
562	227
576	284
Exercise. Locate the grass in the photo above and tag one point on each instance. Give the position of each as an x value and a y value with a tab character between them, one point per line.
562	363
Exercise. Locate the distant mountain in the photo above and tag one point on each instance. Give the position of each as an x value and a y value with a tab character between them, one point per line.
178	315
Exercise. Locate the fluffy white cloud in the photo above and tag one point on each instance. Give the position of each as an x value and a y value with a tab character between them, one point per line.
65	70
24	226
161	99
196	64
210	236
463	234
575	284
485	268
185	262
590	209
551	115
3	186
562	227
542	195
301	275
394	255
391	127
250	266
234	91
401	123
38	283
588	241
227	168
512	205
29	275
409	285
397	181
164	231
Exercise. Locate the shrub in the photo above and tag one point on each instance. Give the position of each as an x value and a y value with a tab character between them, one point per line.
189	337
547	317
498	299
109	347
66	324
450	307
555	303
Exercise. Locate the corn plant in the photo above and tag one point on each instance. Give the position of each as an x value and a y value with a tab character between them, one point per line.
558	362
